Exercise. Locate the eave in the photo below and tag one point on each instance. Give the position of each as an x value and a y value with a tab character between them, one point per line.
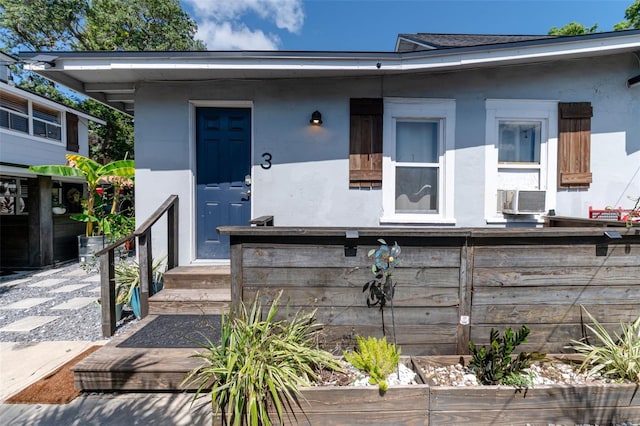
111	77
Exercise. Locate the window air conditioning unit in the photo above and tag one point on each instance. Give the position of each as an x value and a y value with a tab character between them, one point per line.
518	201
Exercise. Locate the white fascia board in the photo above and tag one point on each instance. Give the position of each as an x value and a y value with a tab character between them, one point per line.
525	54
354	62
112	88
229	64
47	102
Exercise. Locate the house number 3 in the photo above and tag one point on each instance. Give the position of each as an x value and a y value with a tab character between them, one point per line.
267	161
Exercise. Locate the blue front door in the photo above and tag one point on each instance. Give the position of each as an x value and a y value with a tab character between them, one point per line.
223	149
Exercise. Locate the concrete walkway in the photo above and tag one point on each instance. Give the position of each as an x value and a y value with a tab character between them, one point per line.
24	362
112	409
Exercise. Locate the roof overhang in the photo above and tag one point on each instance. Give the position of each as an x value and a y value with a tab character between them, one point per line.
112	77
48	102
6	59
21	170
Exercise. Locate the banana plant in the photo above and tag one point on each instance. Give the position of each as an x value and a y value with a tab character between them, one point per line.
94	174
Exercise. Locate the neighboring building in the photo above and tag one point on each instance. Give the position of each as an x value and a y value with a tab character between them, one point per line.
35	130
449	130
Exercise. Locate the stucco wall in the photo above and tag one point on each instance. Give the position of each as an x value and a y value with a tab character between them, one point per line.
18	148
308	182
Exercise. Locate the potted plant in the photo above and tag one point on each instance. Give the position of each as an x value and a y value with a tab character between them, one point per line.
98	219
127	278
58	208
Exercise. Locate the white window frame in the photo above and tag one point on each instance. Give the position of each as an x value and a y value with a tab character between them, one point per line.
545	112
62	115
57	124
419	109
12	112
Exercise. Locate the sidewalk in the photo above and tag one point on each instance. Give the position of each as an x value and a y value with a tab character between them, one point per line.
47	318
112	409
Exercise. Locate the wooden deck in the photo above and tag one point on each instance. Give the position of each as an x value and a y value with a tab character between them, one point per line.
492	278
192	290
114	368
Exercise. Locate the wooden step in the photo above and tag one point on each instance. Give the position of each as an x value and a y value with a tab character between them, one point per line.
114	368
201	276
173	301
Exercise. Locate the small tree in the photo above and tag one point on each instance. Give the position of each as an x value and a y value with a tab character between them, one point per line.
121	171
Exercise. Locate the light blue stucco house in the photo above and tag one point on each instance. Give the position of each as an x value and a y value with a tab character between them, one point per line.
446	131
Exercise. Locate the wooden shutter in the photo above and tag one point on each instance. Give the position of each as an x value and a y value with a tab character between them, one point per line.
365	143
72	133
574	145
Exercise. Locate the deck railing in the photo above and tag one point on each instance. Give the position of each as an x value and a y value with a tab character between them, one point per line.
145	260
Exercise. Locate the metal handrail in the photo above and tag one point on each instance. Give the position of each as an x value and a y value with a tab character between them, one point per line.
145	260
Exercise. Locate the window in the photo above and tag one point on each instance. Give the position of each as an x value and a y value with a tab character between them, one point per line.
574	145
13	195
519	134
418	166
46	122
519	142
14	113
20	114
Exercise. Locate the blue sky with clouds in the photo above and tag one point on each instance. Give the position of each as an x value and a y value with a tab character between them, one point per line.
373	25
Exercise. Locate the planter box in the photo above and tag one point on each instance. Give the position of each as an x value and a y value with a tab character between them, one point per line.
361	405
346	405
544	404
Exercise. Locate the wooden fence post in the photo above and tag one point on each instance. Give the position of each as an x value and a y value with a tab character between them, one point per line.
146	271
466	290
237	282
172	235
108	293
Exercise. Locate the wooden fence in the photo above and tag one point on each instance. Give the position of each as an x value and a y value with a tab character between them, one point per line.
453	285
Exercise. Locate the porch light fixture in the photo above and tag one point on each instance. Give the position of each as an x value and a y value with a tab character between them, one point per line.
633	81
316	118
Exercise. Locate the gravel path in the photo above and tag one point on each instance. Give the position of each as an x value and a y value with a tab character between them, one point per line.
51	305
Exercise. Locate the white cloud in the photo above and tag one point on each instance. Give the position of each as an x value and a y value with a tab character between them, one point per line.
220	22
224	36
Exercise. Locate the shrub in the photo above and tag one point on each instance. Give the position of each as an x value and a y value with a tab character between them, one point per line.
616	356
259	363
127	277
375	357
495	364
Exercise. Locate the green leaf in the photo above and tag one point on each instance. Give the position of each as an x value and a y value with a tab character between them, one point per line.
375	357
57	170
260	362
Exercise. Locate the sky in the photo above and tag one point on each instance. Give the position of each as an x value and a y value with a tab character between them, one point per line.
373	25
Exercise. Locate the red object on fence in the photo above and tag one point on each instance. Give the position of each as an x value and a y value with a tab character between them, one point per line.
619	214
